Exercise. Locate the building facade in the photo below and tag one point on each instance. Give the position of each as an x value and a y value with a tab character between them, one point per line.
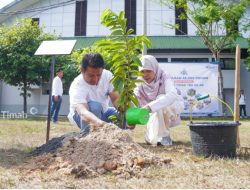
80	20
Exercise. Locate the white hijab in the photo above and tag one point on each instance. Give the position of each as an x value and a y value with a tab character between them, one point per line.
148	92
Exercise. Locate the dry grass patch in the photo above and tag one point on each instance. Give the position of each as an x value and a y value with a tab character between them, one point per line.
19	137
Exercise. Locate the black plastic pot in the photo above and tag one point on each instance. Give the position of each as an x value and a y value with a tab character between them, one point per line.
214	138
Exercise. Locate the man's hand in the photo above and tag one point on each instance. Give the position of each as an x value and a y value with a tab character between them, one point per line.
87	116
56	98
102	123
95	126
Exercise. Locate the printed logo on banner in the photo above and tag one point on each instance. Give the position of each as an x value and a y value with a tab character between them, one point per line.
193	80
212	66
184	72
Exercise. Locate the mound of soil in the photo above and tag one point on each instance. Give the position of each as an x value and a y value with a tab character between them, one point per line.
106	149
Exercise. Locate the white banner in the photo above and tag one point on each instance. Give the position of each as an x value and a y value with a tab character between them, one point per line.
193	80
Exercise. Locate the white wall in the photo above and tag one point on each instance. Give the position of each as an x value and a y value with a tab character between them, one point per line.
244	84
60	20
11	101
158	16
95	8
228	78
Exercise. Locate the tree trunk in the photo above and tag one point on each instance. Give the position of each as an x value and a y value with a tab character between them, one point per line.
25	97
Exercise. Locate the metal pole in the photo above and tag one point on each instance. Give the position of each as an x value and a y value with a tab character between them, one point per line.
144	24
237	89
53	60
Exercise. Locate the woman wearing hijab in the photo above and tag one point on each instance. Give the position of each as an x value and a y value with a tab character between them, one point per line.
158	94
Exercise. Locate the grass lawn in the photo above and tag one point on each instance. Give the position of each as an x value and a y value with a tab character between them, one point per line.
19	137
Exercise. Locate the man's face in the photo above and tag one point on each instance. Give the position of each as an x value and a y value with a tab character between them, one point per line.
92	75
148	75
60	74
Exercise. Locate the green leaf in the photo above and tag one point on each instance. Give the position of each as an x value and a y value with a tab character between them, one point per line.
117	32
121	15
130	31
136	60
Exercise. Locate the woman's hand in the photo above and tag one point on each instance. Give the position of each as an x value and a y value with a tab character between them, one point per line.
131	127
148	108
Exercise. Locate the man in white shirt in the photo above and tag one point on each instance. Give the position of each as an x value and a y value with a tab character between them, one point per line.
57	92
90	94
242	104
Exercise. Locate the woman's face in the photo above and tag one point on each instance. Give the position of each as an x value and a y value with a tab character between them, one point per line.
148	75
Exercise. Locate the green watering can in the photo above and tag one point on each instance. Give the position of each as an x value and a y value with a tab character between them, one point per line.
202	97
137	116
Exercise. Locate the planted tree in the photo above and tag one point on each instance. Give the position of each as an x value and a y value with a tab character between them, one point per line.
19	66
124	51
216	22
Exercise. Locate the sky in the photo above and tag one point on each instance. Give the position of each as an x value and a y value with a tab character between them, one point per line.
4	2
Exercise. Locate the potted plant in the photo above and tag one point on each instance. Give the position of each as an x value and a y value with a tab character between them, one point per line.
213	138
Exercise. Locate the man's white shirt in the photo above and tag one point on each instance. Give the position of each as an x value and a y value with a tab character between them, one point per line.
82	92
57	87
242	100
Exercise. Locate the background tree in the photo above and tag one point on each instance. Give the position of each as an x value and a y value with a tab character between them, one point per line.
124	51
216	22
19	66
70	66
247	60
77	55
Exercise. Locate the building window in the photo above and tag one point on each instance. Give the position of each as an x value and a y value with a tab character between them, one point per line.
179	21
162	60
35	20
81	18
227	63
130	14
45	88
189	60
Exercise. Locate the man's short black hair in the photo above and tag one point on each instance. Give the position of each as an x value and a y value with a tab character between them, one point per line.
94	60
59	70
